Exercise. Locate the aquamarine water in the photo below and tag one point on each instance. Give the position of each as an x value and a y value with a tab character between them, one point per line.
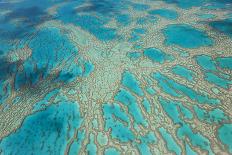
186	36
165	13
110	77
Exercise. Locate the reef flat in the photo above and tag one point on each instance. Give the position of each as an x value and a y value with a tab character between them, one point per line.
115	77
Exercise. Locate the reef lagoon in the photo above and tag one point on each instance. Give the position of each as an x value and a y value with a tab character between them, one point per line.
115	77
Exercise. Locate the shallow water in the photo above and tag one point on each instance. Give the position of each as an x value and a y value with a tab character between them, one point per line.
115	77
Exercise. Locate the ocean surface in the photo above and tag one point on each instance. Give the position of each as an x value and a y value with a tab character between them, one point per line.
115	77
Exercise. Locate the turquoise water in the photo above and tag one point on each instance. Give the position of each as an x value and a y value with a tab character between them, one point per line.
45	131
213	116
206	16
111	151
223	26
224	134
146	105
156	55
186	36
171	144
184	72
115	77
189	150
212	74
91	147
130	81
166	13
145	140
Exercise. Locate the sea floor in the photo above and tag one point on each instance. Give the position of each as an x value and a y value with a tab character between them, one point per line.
115	77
